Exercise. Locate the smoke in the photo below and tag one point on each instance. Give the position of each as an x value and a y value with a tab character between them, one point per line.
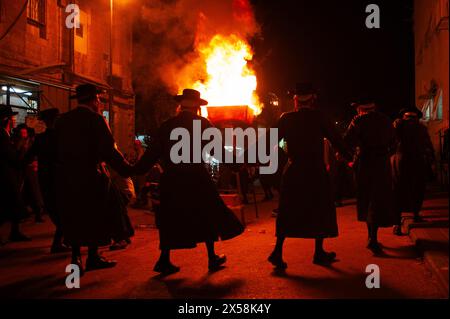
167	33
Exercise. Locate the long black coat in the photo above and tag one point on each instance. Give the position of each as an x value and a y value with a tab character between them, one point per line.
12	207
306	207
413	153
373	135
83	142
191	209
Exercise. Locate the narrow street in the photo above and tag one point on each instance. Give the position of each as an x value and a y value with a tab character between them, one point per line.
38	274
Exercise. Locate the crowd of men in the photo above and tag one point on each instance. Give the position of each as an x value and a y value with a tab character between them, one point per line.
78	166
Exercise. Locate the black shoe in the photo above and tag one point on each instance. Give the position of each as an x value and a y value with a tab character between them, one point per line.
166	268
99	262
375	247
277	261
118	245
59	248
77	261
324	258
397	230
19	237
216	262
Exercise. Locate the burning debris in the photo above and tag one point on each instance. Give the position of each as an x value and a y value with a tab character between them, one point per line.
201	45
230	82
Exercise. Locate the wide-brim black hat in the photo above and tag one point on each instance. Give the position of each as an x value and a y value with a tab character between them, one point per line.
190	98
410	110
86	92
6	111
48	114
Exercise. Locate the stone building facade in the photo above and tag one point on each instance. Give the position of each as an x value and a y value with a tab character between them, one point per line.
432	72
42	60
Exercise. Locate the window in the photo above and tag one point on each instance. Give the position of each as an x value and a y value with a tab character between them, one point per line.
427	109
106	116
439	106
432	108
36	11
23	99
80	31
36	15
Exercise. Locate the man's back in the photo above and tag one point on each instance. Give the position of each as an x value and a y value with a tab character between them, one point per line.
304	131
182	120
412	137
80	138
372	132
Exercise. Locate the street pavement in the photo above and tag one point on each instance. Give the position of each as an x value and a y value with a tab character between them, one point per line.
28	270
431	237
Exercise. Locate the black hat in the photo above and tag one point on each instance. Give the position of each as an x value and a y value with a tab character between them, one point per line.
190	98
86	92
364	103
6	111
48	114
414	110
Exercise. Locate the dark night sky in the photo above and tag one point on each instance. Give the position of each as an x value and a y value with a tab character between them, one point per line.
326	42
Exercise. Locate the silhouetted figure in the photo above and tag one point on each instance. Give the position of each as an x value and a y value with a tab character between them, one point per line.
191	210
121	191
23	139
244	180
266	181
336	167
372	133
44	149
306	208
153	179
413	153
83	189
12	208
139	181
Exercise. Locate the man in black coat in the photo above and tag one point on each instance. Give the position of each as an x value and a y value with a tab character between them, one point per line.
191	210
413	154
306	208
371	135
83	144
12	207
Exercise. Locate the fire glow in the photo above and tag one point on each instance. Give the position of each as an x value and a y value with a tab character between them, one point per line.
230	80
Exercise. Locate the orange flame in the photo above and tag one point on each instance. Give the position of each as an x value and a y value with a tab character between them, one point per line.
230	81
